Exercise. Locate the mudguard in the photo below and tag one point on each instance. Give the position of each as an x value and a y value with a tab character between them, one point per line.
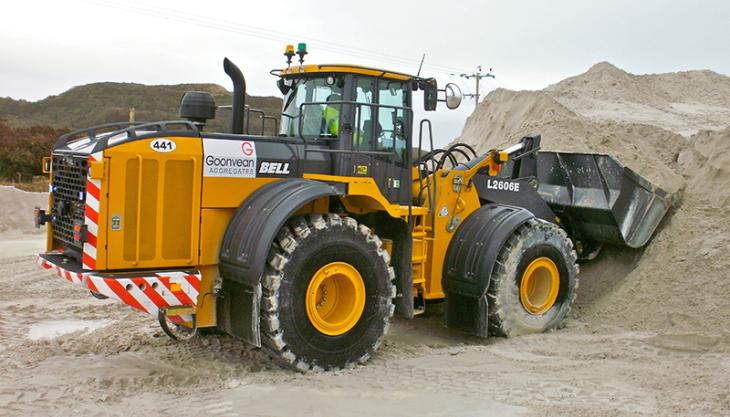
245	248
469	262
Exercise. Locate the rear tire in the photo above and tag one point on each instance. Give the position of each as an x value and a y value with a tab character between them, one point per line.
541	254
302	338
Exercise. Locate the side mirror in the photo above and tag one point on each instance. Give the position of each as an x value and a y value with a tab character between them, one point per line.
453	96
283	87
430	94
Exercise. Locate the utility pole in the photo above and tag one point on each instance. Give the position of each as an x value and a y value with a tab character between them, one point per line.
478	75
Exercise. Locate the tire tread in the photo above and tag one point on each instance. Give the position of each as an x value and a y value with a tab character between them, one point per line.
499	315
289	238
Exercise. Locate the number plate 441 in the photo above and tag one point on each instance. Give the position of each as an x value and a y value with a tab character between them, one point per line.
162	145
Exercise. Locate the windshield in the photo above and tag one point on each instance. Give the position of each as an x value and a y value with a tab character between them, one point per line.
318	119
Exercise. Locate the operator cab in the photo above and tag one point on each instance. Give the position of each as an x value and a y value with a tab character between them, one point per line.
363	115
317	97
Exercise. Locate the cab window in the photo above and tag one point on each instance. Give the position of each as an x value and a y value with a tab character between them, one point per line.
317	120
364	134
392	120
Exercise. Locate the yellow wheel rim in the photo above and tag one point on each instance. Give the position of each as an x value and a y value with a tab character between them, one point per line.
335	298
539	286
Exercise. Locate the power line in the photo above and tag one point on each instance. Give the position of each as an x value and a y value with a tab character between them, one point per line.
265	34
478	75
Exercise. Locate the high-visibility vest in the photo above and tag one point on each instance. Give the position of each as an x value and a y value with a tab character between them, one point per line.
331	120
331	117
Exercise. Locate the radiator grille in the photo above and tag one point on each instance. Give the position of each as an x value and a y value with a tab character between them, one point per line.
69	197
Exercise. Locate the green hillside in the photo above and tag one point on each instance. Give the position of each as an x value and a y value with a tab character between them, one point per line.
97	103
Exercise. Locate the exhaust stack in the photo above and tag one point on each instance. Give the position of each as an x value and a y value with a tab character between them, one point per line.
239	95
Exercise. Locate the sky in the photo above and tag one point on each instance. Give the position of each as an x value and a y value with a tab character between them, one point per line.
47	47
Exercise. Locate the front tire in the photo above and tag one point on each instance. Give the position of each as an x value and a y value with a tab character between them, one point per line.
327	293
533	282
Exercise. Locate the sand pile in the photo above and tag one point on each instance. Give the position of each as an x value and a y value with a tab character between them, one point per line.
16	211
678	283
683	102
706	162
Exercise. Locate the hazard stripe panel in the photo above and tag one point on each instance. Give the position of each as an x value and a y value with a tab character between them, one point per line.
147	293
91	216
91	187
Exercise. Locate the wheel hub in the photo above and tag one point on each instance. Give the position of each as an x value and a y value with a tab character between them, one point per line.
539	286
335	298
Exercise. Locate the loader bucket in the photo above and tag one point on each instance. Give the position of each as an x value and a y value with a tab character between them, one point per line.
601	199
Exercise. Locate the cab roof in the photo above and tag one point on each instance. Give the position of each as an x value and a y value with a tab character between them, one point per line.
344	68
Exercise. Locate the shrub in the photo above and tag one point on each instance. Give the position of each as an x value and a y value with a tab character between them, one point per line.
22	149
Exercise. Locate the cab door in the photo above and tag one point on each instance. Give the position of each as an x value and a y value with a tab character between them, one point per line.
379	136
392	140
358	137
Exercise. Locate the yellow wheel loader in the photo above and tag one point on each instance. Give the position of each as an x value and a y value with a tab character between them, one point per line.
306	242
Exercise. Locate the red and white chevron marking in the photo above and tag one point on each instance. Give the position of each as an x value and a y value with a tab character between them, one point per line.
76	278
147	293
91	216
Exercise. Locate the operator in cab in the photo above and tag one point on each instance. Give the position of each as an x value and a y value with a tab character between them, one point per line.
331	116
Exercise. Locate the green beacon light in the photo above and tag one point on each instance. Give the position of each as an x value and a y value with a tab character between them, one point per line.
301	51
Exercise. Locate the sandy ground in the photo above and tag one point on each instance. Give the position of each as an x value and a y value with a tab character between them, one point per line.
12	245
63	352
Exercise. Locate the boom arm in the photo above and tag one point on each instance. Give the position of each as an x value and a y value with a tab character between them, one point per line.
492	159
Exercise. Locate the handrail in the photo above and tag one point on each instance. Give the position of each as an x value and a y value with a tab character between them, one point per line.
431	196
101	142
373	153
164	126
262	116
91	132
358	105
